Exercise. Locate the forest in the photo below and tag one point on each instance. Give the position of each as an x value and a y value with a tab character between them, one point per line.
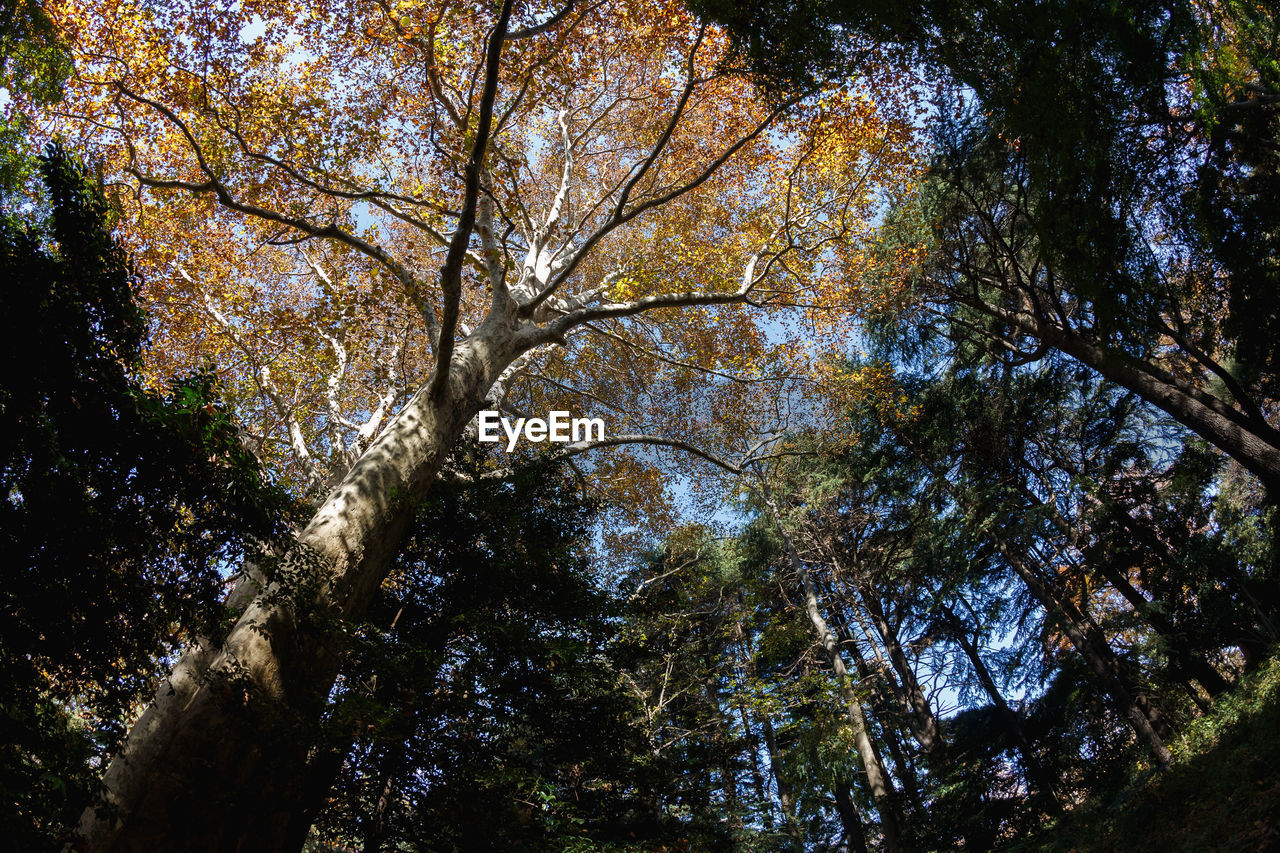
925	358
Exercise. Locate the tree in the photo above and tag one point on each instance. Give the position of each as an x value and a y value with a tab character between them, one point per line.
122	505
33	65
679	649
586	193
751	734
984	509
878	780
1101	194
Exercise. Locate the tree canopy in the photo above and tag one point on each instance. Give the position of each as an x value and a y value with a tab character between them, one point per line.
935	506
1102	184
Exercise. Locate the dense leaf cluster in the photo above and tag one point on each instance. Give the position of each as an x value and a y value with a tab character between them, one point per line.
483	704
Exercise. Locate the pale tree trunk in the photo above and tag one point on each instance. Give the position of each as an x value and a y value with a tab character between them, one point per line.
216	762
908	779
906	687
877	779
887	698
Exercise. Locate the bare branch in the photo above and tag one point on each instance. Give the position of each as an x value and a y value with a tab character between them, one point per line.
620	218
545	26
451	272
557	329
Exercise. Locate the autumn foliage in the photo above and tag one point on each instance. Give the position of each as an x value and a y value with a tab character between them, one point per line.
289	176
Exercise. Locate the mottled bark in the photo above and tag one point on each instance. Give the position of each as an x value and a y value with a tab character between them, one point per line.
217	761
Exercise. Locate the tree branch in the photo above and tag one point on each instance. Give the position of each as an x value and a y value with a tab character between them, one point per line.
451	272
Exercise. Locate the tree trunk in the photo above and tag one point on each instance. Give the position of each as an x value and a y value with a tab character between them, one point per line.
321	771
907	776
216	762
1094	649
924	725
1038	776
786	803
877	780
1246	438
1186	661
888	701
375	829
855	837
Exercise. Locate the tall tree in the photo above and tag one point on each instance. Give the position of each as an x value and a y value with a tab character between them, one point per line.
574	193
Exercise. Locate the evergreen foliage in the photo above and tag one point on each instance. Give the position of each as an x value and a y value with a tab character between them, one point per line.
122	506
484	705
